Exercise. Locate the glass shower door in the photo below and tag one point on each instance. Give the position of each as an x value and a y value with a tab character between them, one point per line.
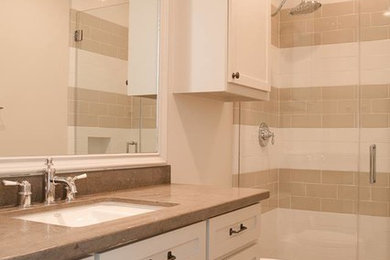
374	177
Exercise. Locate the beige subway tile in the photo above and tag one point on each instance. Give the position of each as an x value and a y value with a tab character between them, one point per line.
373	208
339	92
365	106
373	5
338	206
374	91
86	120
116	110
306	39
86	95
285	94
339	36
381	106
382	179
381	194
108	50
379	19
347	192
108	98
149	123
285	202
348	21
292	27
337	177
337	9
123	53
314	93
284	121
292	107
124	100
330	107
274	175
284	175
364	193
107	122
82	107
339	121
306	121
374	33
306	176
305	203
374	120
89	45
98	109
321	190
123	122
348	106
325	24
286	40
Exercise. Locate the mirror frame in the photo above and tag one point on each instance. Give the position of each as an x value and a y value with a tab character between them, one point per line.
34	165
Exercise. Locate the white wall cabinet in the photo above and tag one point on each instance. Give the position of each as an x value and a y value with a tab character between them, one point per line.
221	48
231	236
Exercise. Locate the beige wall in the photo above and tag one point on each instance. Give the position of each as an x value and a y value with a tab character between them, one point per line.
34	76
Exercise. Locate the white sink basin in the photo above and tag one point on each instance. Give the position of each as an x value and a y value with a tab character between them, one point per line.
86	215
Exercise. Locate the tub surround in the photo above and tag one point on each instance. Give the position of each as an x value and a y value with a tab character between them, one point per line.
192	204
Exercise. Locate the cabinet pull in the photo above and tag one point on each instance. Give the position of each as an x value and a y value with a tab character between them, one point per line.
171	256
236	75
233	232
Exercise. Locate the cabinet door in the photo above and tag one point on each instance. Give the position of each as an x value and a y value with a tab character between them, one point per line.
187	243
251	253
249	43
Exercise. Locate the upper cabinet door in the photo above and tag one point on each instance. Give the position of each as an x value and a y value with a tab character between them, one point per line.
249	43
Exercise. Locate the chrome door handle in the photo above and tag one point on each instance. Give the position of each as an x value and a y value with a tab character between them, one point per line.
373	164
234	232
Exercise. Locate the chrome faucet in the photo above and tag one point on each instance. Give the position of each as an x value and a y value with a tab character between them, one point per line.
51	180
70	185
24	193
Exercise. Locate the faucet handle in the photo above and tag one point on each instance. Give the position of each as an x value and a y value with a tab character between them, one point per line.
11	183
79	177
24	192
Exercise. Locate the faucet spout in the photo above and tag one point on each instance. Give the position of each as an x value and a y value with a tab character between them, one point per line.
49	184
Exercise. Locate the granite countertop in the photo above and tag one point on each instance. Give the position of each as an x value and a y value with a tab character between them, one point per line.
188	204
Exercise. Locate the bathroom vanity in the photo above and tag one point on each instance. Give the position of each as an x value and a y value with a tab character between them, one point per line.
191	222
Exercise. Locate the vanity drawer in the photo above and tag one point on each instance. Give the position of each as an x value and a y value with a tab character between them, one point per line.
232	231
250	253
187	243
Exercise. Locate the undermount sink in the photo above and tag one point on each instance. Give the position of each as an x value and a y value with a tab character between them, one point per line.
91	214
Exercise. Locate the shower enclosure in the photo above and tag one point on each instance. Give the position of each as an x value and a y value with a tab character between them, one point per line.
113	107
329	108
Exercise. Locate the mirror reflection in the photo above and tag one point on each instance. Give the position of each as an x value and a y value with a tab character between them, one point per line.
79	77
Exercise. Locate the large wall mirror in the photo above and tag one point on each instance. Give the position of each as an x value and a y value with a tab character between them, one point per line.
79	77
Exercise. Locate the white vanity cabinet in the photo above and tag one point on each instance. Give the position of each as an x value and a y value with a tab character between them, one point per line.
187	243
221	48
230	236
235	234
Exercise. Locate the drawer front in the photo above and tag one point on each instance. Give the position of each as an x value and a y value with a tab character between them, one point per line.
232	231
251	253
187	243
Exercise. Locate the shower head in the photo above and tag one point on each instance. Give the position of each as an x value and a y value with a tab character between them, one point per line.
306	7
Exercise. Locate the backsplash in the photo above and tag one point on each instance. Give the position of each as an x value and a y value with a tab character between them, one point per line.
96	182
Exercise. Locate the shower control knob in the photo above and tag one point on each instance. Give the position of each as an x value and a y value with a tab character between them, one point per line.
236	75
